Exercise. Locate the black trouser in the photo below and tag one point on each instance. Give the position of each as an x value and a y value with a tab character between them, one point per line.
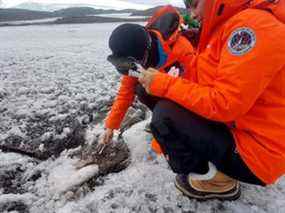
191	141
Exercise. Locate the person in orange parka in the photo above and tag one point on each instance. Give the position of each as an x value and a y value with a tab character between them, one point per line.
239	82
141	43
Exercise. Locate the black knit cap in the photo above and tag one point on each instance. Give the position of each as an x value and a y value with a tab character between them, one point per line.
129	40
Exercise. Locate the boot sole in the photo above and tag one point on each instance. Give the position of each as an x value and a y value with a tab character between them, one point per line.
192	193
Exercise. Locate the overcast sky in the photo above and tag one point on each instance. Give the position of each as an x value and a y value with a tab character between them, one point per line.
10	3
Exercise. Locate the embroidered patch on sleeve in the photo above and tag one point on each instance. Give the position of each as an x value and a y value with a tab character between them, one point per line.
242	40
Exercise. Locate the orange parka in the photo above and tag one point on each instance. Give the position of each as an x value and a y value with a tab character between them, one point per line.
240	85
245	87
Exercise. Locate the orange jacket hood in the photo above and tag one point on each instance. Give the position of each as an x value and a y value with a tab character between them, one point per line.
218	11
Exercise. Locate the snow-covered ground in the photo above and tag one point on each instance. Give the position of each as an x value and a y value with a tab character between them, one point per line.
52	72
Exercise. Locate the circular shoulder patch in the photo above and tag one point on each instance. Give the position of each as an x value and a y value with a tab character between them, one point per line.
242	40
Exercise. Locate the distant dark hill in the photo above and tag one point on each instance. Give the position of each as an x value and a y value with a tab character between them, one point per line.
20	14
150	12
23	14
72	15
85	11
94	19
75	11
